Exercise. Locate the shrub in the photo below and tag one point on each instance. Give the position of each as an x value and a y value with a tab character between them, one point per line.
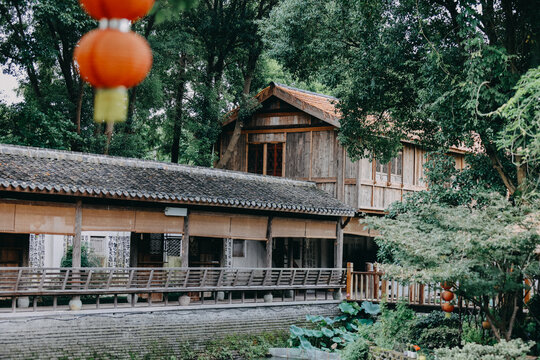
87	258
395	326
504	350
434	330
357	350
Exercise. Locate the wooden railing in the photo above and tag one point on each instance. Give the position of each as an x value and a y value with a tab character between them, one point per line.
372	286
57	282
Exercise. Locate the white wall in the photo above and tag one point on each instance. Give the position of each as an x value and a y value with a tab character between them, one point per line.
255	255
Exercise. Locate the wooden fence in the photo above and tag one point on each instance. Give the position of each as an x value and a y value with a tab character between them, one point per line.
57	282
371	286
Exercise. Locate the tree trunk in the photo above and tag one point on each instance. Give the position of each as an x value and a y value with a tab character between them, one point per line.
239	124
177	129
79	106
491	152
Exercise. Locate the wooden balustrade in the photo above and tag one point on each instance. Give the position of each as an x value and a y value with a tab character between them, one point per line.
372	286
56	282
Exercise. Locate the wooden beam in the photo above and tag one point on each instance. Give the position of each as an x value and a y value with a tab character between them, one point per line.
269	243
290	130
76	254
185	243
339	245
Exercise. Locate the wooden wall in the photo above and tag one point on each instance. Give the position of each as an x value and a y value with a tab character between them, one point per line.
312	152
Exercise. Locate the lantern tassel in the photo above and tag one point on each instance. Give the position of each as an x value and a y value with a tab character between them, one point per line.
111	105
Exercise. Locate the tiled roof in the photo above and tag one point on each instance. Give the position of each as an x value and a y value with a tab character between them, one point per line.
78	174
324	103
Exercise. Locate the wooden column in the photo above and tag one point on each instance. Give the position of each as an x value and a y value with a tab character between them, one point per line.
76	254
340	164
339	245
185	242
269	243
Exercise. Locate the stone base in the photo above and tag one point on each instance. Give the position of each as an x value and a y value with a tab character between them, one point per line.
75	304
184	300
23	302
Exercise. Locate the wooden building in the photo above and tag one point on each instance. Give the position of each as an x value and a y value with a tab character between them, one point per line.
294	135
218	218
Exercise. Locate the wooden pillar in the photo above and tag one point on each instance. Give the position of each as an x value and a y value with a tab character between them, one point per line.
185	242
75	302
349	288
269	243
339	245
340	163
76	254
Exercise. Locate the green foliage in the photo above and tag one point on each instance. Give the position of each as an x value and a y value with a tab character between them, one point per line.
432	67
521	136
87	258
486	251
505	350
393	327
357	350
330	334
434	330
239	346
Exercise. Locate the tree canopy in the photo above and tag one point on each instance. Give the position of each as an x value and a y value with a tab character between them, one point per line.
421	69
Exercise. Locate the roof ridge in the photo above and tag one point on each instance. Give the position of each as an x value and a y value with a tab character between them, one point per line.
36	152
305	91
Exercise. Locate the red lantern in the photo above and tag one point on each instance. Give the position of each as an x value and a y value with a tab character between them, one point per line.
447	307
112	58
117	9
447	295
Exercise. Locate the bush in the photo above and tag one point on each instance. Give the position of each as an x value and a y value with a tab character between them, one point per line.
357	350
511	350
87	258
434	330
392	329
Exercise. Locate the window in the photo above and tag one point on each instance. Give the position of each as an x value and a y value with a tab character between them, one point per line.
255	158
266	159
391	171
239	248
97	245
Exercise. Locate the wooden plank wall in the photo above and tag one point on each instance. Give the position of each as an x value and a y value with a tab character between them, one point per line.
313	153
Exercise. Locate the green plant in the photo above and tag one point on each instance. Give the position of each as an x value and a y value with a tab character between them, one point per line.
504	350
87	258
330	334
434	330
395	326
357	350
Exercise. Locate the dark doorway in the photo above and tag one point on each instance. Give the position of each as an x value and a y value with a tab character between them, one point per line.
149	249
359	250
205	252
14	250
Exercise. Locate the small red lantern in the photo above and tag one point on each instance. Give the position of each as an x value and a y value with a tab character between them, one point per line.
447	295
447	307
117	9
112	58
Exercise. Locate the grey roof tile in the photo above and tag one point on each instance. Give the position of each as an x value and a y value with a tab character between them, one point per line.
133	179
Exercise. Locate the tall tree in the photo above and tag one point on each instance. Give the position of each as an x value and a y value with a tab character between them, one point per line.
426	69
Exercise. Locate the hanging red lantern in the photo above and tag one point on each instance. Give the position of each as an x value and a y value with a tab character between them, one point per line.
447	307
447	295
117	9
113	58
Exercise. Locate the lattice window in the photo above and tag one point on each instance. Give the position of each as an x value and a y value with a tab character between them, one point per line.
173	245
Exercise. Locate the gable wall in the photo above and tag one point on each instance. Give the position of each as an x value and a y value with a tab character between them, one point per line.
312	152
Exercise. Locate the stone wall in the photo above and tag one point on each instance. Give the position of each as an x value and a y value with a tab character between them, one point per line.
119	334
